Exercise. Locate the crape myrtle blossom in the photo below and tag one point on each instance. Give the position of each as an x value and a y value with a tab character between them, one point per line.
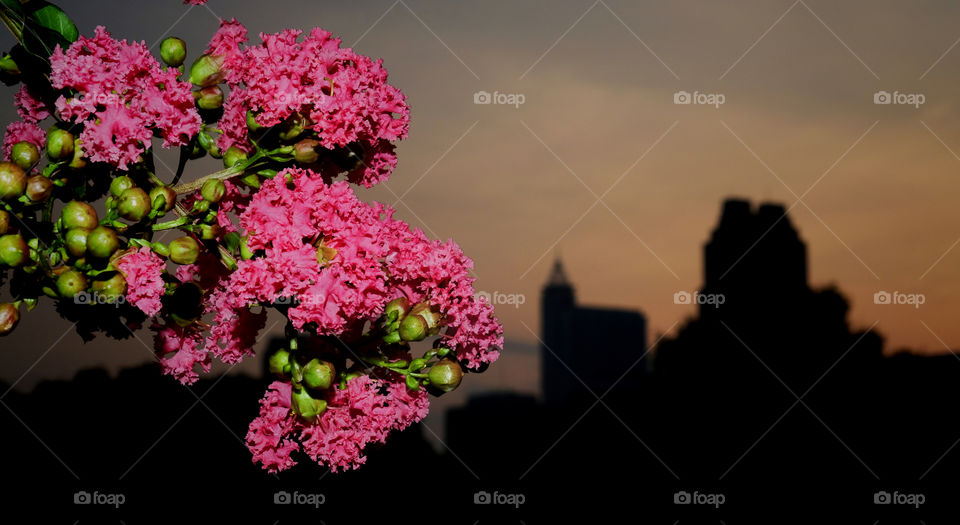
377	316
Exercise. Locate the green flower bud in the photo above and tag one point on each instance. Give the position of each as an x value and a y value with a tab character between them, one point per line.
305	151
232	156
13	181
112	288
209	231
413	328
318	375
9	317
59	144
76	241
445	375
39	188
25	154
14	250
173	51
412	383
201	206
279	363
213	190
208	142
78	161
292	127
71	283
396	309
134	204
418	364
4	221
431	316
120	184
160	249
168	196
305	406
252	123
184	250
78	214
102	242
205	71
210	97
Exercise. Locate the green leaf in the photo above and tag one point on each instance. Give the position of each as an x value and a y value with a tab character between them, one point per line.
53	18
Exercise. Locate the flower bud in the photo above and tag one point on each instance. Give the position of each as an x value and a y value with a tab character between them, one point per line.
78	161
59	144
413	328
396	309
445	375
13	181
173	51
112	289
306	406
25	154
184	250
71	283
9	317
39	188
430	315
305	151
168	196
210	97
318	375
134	204
76	241
208	142
102	242
4	221
252	123
292	127
232	156
210	231
279	363
213	190
13	250
120	184
78	214
418	364
205	70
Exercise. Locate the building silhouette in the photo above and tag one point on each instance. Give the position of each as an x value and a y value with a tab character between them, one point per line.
587	347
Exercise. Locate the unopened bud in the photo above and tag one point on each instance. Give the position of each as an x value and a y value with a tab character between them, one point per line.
292	127
413	328
78	161
396	309
306	406
112	288
39	188
305	151
163	198
4	221
213	190
71	283
59	144
173	51
208	142
9	317
76	241
318	374
78	214
184	250
205	70
25	154
210	231
232	156
120	184
431	316
210	97
102	242
134	204
14	250
13	181
279	363
252	123
445	375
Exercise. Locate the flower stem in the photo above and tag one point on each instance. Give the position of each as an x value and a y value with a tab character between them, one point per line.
224	174
176	223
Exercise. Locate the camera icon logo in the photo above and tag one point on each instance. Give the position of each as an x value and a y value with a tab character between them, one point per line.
882	97
881	297
281	498
881	498
681	498
481	498
482	97
682	97
485	296
81	498
82	298
682	298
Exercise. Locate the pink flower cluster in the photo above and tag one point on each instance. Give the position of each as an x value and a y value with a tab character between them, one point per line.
365	412
344	96
143	271
122	95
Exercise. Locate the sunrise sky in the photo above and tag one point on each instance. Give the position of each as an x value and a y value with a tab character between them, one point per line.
601	166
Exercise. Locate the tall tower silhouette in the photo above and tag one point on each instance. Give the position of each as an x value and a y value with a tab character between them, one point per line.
585	347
